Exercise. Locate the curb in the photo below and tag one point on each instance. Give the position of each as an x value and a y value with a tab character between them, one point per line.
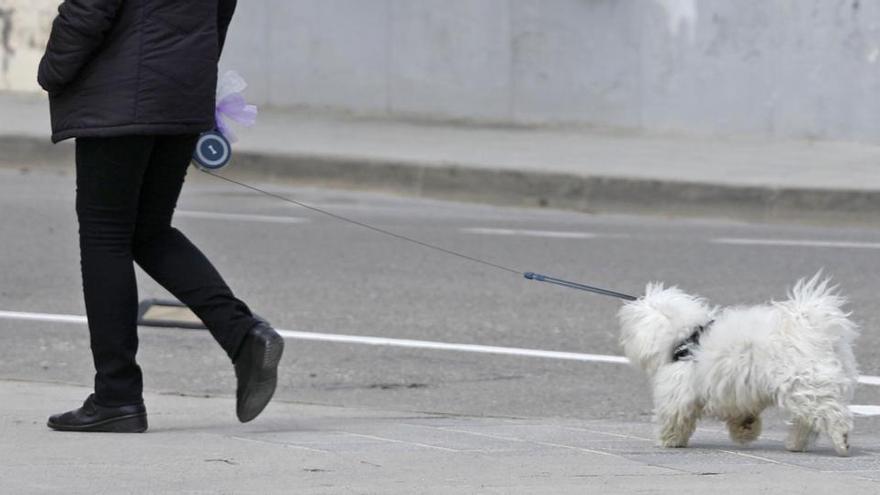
590	194
27	150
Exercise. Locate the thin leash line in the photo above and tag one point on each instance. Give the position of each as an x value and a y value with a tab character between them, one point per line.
368	226
574	285
528	275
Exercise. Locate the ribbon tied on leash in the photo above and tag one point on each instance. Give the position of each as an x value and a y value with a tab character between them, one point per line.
214	149
232	105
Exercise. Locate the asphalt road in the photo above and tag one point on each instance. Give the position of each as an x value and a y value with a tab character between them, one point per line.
318	274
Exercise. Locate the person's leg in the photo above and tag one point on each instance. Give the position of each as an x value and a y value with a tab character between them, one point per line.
108	180
172	260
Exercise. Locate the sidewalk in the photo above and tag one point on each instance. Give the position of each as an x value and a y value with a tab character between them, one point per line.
194	445
582	169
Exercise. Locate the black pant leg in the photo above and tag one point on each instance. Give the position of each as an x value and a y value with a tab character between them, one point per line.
108	180
172	260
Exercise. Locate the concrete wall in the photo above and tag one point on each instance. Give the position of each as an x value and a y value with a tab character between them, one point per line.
801	68
804	68
24	29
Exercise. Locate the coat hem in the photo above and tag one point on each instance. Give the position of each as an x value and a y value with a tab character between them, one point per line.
131	130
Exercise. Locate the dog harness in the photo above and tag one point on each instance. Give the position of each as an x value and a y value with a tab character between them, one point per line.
684	350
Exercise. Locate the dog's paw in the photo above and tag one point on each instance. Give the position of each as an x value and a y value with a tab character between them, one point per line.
672	443
744	430
841	444
800	437
796	446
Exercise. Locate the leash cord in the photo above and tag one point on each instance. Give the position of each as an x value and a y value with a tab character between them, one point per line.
574	285
529	275
367	226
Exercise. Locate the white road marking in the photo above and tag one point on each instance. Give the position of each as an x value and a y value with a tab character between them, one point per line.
796	243
15	315
390	342
865	410
444	346
869	380
238	217
550	234
374	341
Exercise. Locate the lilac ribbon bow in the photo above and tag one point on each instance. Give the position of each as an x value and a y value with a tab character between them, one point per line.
231	105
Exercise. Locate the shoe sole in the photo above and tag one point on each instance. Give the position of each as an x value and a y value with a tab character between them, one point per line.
265	379
131	423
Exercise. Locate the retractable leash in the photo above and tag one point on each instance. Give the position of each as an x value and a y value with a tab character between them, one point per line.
573	285
528	275
214	151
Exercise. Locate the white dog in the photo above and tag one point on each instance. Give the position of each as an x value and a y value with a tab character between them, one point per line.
735	362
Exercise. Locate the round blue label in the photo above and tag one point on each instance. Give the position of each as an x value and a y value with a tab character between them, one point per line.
213	151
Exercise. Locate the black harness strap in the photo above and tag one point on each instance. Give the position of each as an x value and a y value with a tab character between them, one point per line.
684	350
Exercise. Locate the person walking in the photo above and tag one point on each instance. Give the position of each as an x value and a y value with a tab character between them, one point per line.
134	82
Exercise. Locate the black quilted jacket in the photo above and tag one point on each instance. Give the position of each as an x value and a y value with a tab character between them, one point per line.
123	67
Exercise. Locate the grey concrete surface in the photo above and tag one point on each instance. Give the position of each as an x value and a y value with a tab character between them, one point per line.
522	419
592	170
327	276
193	446
772	68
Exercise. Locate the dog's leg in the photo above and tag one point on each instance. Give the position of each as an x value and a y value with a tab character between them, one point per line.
744	429
829	416
800	435
840	439
676	427
838	423
676	407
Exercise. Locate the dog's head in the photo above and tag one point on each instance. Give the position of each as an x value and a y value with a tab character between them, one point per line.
652	326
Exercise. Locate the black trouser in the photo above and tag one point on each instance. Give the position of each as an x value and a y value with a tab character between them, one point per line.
127	189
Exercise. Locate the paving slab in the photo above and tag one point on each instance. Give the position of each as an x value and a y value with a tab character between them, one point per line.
194	445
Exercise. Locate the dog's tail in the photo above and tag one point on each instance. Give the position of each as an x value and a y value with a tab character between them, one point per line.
817	305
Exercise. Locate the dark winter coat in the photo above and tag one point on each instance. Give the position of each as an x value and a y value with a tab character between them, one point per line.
134	67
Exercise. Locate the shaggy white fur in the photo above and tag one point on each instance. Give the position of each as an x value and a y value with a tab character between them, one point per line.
794	354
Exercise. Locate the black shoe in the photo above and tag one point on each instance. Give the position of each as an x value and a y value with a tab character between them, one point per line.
256	369
94	417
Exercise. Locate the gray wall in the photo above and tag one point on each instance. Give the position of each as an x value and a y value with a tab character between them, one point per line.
802	68
782	68
24	29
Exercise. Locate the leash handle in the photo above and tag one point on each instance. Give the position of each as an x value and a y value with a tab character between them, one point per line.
213	151
537	277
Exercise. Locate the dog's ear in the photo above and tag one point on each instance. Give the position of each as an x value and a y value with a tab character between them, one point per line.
644	335
655	323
